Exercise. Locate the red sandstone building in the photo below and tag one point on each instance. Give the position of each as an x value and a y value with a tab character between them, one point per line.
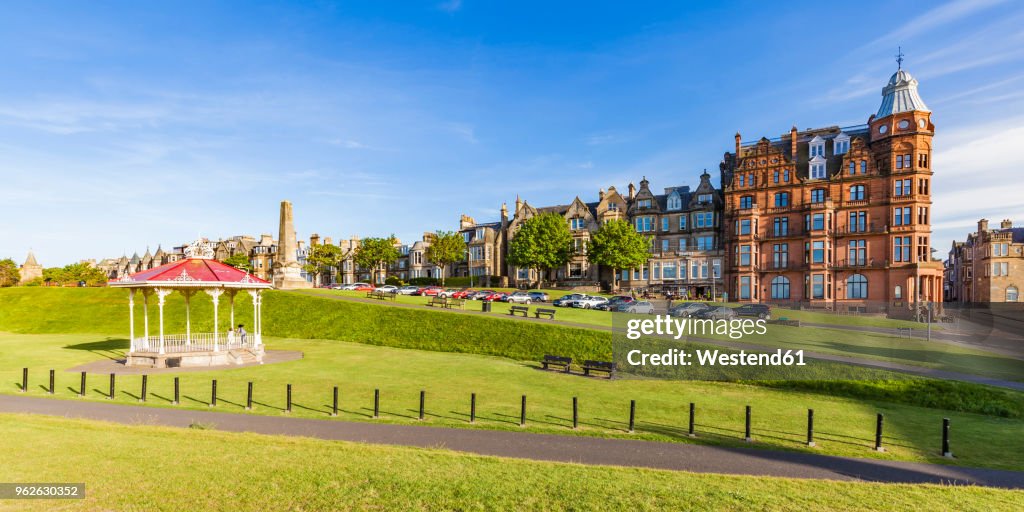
834	217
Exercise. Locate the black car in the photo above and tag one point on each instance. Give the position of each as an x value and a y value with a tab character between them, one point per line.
762	311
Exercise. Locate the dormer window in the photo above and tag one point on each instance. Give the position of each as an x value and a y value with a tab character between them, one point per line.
818	170
674	202
841	144
816	147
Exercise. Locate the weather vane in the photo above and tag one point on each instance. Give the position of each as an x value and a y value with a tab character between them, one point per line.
899	58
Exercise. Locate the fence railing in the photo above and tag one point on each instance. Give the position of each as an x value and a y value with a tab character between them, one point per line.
196	342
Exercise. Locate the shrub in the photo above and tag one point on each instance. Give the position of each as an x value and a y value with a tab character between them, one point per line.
394	281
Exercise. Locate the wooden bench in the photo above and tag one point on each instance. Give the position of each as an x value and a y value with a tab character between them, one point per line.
438	301
599	366
377	294
550	360
514	310
454	303
550	313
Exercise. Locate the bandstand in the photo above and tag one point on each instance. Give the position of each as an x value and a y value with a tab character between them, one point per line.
198	272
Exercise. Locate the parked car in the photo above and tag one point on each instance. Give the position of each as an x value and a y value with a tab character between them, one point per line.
566	301
465	293
589	302
450	292
688	309
481	294
520	298
716	313
615	302
637	307
362	287
430	291
490	296
762	311
338	286
408	290
538	296
388	288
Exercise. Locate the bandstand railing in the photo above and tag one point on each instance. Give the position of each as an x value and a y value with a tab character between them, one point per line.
196	342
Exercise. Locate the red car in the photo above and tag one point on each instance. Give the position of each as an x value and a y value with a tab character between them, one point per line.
430	291
463	294
492	297
363	287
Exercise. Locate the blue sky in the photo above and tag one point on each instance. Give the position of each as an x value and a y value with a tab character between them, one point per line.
125	126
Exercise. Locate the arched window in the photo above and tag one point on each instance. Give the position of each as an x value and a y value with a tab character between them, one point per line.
857	193
898	292
857	287
780	287
1011	294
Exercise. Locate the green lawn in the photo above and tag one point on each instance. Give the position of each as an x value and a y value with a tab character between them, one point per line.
844	426
157	468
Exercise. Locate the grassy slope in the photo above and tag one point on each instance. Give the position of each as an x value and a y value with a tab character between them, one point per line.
844	426
155	468
71	310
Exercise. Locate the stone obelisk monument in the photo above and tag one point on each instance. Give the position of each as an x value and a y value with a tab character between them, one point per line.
287	272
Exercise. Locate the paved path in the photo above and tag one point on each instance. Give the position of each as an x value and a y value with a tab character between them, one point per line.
868	363
107	366
547	447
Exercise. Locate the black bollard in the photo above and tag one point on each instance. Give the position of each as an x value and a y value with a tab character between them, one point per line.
24	380
746	436
376	403
145	381
51	382
878	434
213	393
111	397
692	411
472	407
81	390
632	414
522	412
422	399
334	408
945	438
810	427
288	403
248	397
177	392
575	413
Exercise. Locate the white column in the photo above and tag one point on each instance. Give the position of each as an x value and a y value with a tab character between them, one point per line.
131	320
215	295
259	318
231	295
145	312
255	294
161	295
188	316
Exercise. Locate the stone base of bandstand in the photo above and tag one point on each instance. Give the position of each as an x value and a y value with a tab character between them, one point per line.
225	357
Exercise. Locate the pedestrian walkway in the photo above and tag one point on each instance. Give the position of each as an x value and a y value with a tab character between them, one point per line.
544	447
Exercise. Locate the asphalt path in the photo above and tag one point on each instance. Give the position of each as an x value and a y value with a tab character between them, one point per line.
542	447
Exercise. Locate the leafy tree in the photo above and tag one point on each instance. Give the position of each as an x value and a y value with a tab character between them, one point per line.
618	246
321	258
447	247
9	273
240	261
71	275
374	253
542	243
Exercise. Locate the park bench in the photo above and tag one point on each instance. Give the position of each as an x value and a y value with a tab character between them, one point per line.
454	303
438	301
381	295
550	360
550	313
514	310
599	366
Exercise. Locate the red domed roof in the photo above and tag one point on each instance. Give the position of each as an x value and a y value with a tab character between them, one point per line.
193	272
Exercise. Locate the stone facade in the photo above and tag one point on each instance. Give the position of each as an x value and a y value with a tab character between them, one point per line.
31	269
988	266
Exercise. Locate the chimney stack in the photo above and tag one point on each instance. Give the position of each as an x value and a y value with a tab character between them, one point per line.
314	240
738	140
631	191
504	212
600	195
792	143
982	225
1006	224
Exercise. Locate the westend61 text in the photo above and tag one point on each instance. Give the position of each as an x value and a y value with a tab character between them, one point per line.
665	325
679	357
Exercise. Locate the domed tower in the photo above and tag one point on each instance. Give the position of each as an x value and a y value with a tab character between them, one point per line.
901	146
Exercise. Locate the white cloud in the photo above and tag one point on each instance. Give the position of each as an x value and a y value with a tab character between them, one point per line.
937	17
451	6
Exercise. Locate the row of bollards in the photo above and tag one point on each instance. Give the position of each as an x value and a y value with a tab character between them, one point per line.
691	430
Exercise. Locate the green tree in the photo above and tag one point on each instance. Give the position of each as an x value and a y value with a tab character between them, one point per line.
240	261
618	246
542	243
374	253
321	258
71	275
9	273
445	248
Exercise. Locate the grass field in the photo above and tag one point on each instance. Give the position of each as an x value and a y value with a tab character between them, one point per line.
156	468
844	426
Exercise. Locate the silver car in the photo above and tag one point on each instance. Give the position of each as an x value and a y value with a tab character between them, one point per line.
520	298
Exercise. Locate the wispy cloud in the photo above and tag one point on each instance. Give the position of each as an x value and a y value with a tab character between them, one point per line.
465	131
451	6
934	18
